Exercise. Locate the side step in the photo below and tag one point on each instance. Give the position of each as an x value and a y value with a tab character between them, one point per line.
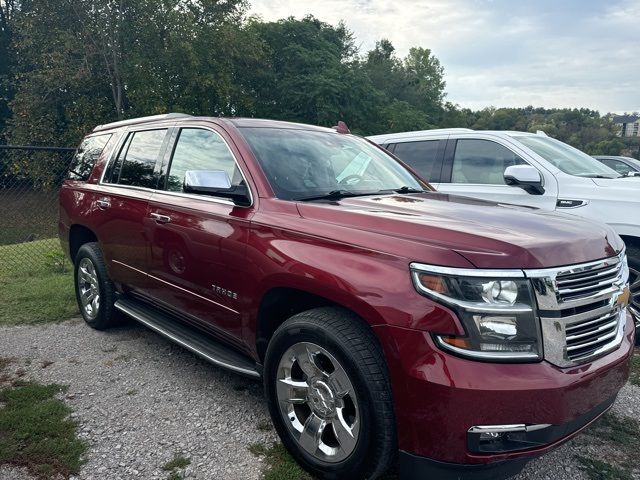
202	345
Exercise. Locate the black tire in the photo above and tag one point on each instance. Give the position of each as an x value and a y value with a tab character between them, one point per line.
105	315
352	343
633	257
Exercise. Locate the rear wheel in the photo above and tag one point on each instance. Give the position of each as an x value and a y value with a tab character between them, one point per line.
95	292
633	256
329	395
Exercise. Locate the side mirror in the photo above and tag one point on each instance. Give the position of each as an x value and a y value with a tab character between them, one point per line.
217	183
526	177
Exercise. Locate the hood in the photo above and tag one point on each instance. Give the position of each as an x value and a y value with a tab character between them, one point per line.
488	235
631	184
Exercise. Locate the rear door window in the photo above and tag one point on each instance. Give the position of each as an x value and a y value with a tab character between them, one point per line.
482	162
423	157
136	163
86	156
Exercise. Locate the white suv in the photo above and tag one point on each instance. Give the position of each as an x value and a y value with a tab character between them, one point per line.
526	169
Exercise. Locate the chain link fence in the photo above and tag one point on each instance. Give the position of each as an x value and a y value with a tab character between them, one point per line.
29	181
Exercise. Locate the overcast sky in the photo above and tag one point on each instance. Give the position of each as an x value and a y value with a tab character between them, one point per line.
549	53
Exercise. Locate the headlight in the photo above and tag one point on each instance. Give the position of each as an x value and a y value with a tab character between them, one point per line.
496	308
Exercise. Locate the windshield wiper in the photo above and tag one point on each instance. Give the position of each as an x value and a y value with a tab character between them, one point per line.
403	189
335	195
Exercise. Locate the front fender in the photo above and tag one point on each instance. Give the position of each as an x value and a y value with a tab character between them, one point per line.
374	285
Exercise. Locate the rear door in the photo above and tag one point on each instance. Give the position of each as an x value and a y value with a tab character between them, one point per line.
197	260
121	206
474	167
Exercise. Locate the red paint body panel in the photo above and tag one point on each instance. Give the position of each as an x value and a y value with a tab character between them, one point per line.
439	396
354	252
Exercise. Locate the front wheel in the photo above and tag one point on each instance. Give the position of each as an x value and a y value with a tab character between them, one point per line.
329	395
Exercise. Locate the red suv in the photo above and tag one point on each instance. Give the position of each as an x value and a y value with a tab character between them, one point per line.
387	320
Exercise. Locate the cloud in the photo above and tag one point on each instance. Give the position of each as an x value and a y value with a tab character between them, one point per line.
497	52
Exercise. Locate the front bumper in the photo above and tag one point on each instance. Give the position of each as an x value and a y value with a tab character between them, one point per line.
439	397
415	467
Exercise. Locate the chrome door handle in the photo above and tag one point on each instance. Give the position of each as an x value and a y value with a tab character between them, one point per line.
102	204
160	218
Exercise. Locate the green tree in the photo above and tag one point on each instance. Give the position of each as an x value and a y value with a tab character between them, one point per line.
311	74
7	59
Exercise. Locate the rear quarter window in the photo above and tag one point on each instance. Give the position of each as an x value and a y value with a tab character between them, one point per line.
86	156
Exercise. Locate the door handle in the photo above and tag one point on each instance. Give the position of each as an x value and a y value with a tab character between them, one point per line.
104	203
160	218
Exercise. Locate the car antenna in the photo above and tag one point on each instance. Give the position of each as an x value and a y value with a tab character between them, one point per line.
342	127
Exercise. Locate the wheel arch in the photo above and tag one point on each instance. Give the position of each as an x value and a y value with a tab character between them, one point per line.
282	302
78	236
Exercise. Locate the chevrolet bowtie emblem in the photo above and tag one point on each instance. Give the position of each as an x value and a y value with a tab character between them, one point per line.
624	298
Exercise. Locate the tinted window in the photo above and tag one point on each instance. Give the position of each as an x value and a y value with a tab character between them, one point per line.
482	162
199	149
140	158
422	157
86	156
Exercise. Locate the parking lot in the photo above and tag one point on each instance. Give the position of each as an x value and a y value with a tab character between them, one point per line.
141	401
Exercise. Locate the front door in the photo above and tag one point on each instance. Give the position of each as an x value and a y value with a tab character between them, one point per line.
475	168
198	242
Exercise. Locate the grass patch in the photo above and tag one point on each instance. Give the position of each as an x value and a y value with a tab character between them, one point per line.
280	465
599	470
34	286
635	368
36	432
175	465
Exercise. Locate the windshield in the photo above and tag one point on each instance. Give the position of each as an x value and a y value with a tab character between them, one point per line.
568	159
304	164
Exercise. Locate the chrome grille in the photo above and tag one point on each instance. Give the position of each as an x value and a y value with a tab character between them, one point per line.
585	338
581	284
579	310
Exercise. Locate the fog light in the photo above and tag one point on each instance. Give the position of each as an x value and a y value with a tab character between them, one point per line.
506	438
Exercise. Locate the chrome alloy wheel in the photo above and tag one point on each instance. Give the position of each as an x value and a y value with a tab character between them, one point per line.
88	288
634	306
318	402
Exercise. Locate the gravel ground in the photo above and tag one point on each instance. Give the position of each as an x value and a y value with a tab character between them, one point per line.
140	400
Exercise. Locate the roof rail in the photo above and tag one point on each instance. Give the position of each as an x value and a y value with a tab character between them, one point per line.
132	121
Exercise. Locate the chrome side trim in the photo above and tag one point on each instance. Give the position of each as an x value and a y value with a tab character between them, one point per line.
176	286
223	201
182	343
115	152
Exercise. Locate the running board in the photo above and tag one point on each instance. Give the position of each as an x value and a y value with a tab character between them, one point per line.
202	345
